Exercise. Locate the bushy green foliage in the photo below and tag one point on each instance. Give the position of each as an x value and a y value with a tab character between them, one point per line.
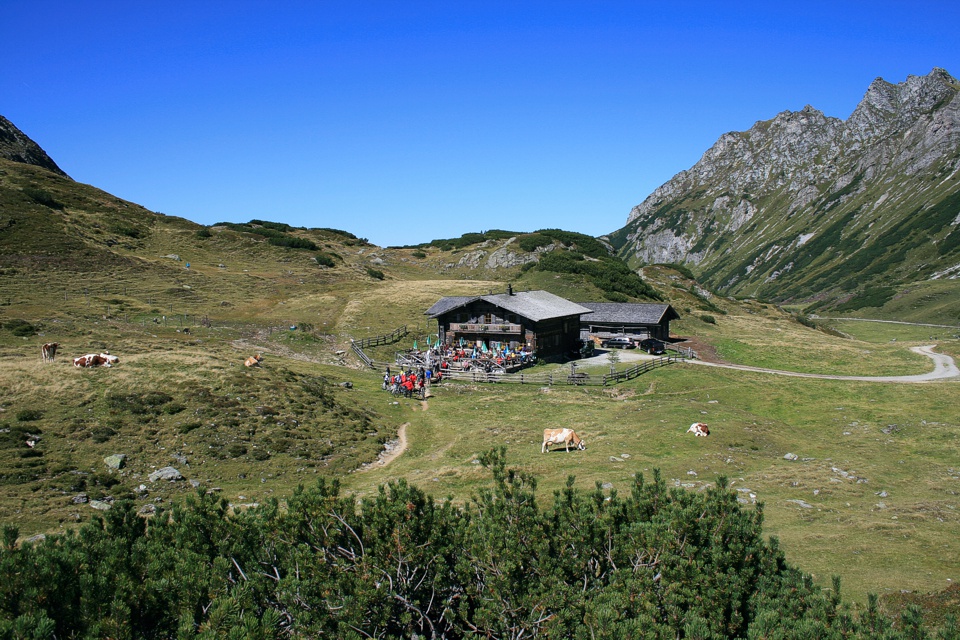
29	415
42	197
656	563
203	232
610	275
682	269
325	260
376	274
870	297
275	233
293	242
126	230
708	319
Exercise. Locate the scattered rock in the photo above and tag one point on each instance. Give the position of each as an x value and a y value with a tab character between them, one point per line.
167	473
347	385
172	256
147	509
116	461
791	456
607	485
35	539
100	505
801	503
80	498
616	459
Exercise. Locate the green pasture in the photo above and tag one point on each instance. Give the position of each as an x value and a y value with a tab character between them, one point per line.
882	332
852	442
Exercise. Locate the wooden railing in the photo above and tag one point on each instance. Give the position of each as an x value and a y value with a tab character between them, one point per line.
359	345
390	338
639	369
493	327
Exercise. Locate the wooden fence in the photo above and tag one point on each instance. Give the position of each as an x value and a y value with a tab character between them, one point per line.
572	377
390	338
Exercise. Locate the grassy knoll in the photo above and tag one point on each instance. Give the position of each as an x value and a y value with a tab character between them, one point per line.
248	433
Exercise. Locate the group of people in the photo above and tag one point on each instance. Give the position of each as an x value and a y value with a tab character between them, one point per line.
477	355
410	382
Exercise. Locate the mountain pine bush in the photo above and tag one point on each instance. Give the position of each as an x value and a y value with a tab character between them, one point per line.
657	562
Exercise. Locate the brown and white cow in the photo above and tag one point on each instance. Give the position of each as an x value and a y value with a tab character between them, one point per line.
90	360
566	437
253	361
110	360
699	429
49	351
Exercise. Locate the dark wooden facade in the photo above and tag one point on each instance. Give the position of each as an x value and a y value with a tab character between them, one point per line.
547	324
634	320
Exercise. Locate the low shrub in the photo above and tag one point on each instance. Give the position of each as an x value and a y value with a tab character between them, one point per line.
375	273
29	415
20	328
325	260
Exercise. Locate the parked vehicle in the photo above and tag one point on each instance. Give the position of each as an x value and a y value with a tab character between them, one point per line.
620	342
653	346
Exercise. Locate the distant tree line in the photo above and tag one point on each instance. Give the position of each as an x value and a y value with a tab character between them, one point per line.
654	563
278	234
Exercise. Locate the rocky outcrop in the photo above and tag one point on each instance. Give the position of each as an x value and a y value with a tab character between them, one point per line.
794	197
16	146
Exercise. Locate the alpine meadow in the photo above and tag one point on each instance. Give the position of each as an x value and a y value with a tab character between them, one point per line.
241	466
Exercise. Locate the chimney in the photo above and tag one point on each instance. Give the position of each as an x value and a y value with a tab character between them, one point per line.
509	289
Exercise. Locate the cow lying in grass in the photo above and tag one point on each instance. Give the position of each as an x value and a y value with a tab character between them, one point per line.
699	429
95	360
566	437
253	361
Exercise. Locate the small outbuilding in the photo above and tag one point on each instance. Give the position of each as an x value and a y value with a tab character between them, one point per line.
635	320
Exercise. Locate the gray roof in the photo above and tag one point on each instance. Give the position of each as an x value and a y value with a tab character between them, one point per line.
629	312
535	305
446	304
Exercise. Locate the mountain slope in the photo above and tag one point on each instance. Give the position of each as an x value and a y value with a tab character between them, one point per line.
806	207
17	147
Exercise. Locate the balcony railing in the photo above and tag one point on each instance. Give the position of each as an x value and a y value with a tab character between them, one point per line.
463	327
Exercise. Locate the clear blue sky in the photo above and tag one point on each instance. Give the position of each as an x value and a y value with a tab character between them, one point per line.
407	121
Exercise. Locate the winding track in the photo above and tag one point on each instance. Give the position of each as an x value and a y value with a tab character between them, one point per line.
944	368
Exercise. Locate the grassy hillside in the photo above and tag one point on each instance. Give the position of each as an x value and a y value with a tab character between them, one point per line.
874	483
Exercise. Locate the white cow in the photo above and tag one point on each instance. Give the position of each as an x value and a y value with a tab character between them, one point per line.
566	437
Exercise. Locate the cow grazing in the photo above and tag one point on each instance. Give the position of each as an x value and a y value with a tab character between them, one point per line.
49	351
90	360
253	361
566	437
699	429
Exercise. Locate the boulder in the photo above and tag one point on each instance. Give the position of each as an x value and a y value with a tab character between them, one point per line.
167	473
116	461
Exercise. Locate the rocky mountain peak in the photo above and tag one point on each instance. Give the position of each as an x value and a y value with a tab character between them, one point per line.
747	211
16	146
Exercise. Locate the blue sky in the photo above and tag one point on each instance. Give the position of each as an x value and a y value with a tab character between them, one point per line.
407	121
